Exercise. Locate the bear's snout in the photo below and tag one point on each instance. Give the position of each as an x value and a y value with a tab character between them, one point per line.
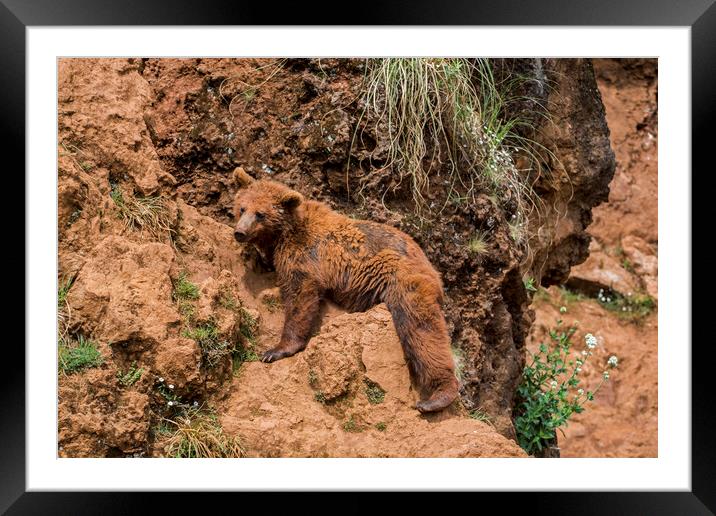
240	236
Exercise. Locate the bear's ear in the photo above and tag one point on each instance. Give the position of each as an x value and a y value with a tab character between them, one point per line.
240	178
290	200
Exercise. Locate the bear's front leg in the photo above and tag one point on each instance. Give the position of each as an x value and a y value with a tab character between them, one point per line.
302	302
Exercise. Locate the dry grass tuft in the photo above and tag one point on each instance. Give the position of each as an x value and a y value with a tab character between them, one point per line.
144	214
197	434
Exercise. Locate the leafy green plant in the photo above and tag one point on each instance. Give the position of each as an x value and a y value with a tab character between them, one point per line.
77	355
350	425
374	392
381	426
243	354
131	376
550	393
529	284
174	401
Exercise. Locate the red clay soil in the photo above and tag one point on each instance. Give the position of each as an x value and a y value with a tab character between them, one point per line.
622	419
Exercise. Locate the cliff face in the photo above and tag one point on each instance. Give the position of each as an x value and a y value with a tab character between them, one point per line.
175	129
623	263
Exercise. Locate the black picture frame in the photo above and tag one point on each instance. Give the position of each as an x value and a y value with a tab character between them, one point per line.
699	15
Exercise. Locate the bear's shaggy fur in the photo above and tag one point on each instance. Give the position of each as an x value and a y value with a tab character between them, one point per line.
319	253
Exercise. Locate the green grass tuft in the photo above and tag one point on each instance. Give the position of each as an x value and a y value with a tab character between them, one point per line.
248	326
568	296
480	415
453	111
458	357
63	307
75	356
63	290
213	347
228	301
185	289
381	426
272	303
633	307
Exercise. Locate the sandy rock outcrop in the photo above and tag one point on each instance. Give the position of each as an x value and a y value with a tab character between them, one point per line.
316	404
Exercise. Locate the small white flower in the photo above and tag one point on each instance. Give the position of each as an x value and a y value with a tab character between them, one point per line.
613	361
161	379
584	353
580	391
171	385
591	341
170	403
562	309
606	375
578	370
553	384
196	403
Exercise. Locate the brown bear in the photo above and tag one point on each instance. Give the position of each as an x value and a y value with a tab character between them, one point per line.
320	254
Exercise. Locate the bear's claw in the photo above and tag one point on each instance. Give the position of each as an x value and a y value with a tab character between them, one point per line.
437	402
272	355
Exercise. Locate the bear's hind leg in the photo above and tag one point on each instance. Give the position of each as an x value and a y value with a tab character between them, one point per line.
426	345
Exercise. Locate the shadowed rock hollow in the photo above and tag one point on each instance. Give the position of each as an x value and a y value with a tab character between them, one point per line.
176	128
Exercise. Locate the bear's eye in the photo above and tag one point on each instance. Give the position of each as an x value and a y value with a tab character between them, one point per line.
241	211
260	216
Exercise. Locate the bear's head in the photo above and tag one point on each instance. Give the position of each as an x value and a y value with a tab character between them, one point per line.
262	209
